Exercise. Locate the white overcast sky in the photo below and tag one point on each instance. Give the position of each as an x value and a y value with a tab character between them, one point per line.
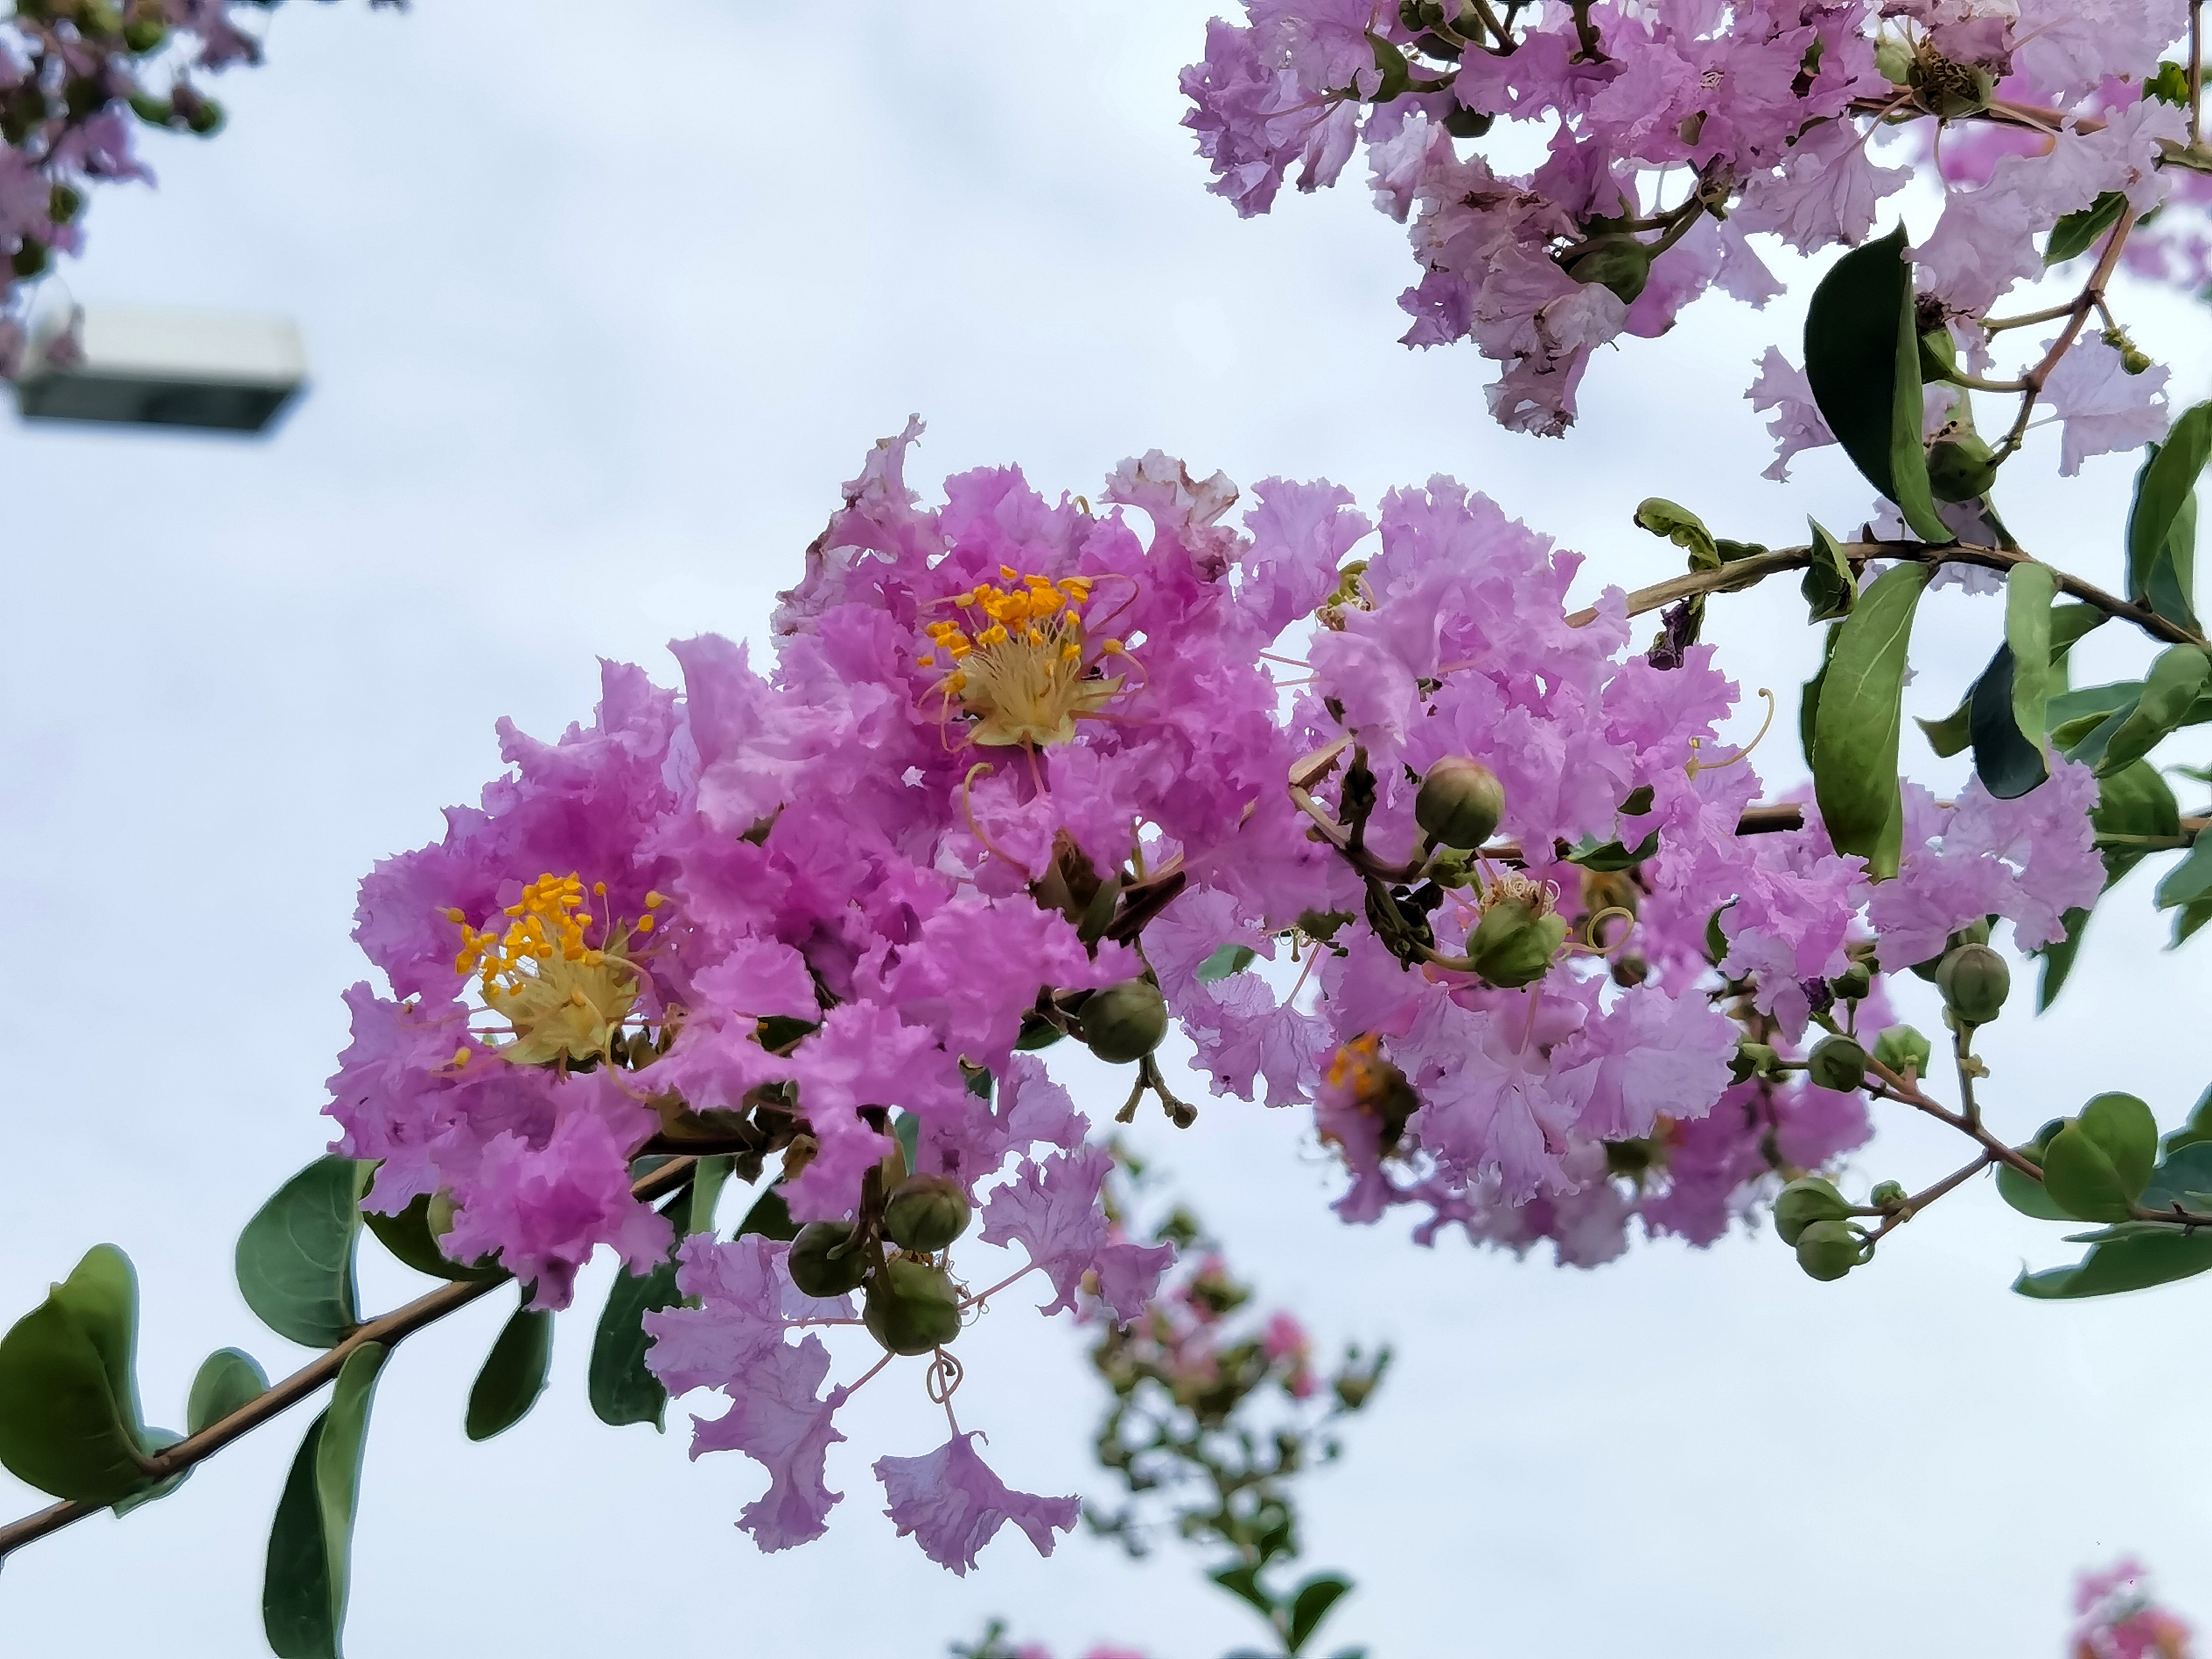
603	302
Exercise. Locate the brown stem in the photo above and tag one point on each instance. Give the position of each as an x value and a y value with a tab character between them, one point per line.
1906	1210
2090	299
282	1396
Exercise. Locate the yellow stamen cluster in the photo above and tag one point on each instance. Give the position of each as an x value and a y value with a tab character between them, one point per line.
1019	660
1359	1066
565	997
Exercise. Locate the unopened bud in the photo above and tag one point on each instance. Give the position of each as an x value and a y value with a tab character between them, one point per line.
1975	981
1837	1063
1853	983
911	1307
823	1262
1459	803
1886	1193
1753	1059
1901	1046
1620	263
926	1212
1829	1249
1961	468
1513	947
1804	1201
1125	1022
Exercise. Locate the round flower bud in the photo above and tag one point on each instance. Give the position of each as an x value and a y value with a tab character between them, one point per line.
822	1263
911	1307
1512	945
1901	1045
1620	263
1886	1193
1961	468
1837	1063
925	1212
1459	803
1829	1249
1853	983
1804	1201
1125	1022
1975	981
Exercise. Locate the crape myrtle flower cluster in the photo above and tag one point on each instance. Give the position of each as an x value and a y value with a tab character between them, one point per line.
2116	1616
1020	772
1674	131
76	78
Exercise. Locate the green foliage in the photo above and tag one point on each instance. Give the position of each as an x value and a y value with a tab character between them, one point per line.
2162	520
2169	692
2078	232
408	1237
1855	729
69	1423
513	1376
295	1258
229	1379
1862	361
1829	588
2098	1164
304	1587
1229	960
2130	1263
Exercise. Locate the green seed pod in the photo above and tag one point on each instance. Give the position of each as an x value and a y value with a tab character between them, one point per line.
1900	1046
1961	468
144	34
1975	981
1886	1193
1853	983
1512	945
1837	1063
1459	803
1125	1022
911	1307
1829	1249
1620	263
1805	1201
822	1263
925	1212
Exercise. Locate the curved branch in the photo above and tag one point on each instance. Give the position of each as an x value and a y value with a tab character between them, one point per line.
280	1397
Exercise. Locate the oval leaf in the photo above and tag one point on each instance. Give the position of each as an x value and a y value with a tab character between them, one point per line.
621	1389
1311	1604
2162	492
1856	723
513	1376
2008	762
2169	689
2127	1264
408	1235
229	1379
69	1397
303	1593
295	1257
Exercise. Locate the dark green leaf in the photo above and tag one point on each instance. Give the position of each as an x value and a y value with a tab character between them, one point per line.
2131	1264
2091	700
69	1394
2189	882
1808	701
229	1379
2098	1163
303	1592
1244	1582
408	1235
154	1440
2026	1195
513	1376
1611	855
2029	590
1682	527
1856	727
2077	233
295	1257
1829	588
2188	918
2185	1170
2058	962
1229	959
621	1391
770	1217
2197	1131
2176	676
2083	740
1311	1605
2171	589
2069	623
2162	492
2007	762
2134	801
1862	360
1947	736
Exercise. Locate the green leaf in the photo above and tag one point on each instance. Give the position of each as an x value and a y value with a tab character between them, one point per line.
1862	360
2077	233
2162	494
1856	727
2134	800
2187	920
2128	1264
2008	762
2185	1170
304	1587
2026	1195
1682	527
229	1379
2189	882
1311	1603
709	1176
770	1217
2029	590
1229	960
513	1376
408	1235
2058	962
1242	1582
1947	736
68	1393
1808	700
1610	855
2097	1164
295	1257
2097	701
621	1389
2171	589
1829	586
2176	676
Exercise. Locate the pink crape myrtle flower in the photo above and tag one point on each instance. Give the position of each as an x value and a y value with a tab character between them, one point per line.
952	1505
